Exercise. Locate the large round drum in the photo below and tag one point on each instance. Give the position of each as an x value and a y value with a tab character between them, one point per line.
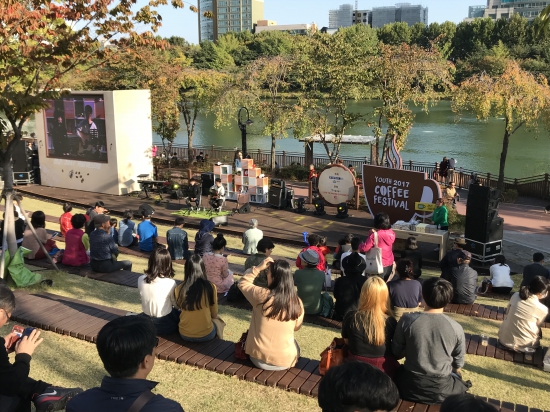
336	184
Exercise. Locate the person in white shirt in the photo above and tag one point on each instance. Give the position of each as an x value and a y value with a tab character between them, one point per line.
355	242
500	276
217	194
157	288
251	238
524	315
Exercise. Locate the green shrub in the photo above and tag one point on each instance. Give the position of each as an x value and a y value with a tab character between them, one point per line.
293	172
456	221
510	196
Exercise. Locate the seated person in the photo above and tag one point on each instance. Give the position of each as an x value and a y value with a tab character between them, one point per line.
127	233
265	248
217	195
178	241
357	386
77	243
369	330
405	292
325	250
126	346
355	243
197	298
525	314
251	237
156	289
450	261
314	241
98	209
113	231
466	402
19	228
103	249
534	269
412	253
65	219
500	278
38	221
204	238
277	312
309	282
200	157
433	346
464	280
344	245
217	266
17	390
347	289
194	193
147	233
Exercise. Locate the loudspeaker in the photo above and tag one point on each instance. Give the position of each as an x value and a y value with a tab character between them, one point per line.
145	209
219	220
278	183
207	181
244	208
482	197
289	198
276	196
21	162
484	231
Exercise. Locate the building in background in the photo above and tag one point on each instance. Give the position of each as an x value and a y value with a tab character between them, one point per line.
401	12
362	17
229	15
342	17
496	9
270	25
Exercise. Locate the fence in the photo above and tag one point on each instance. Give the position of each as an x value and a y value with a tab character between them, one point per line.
535	186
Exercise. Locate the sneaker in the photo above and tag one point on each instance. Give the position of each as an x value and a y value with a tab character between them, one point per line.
54	398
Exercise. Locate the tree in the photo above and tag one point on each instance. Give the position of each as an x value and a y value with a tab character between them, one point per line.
521	98
404	75
395	33
41	42
330	71
209	56
197	91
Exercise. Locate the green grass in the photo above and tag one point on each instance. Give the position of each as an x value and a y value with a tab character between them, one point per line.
199	390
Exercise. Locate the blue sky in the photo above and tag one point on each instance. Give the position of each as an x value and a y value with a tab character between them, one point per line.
183	23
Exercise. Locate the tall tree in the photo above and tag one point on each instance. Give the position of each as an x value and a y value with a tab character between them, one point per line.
520	98
404	75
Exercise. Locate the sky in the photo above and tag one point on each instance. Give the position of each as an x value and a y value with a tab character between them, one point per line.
184	23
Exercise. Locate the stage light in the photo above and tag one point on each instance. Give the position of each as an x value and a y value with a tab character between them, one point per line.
342	211
319	207
300	205
175	186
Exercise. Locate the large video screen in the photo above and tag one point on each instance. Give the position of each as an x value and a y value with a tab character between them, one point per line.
75	128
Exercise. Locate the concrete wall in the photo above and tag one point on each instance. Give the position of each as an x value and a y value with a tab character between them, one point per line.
129	141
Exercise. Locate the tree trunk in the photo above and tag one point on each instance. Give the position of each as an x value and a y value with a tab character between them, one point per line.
503	155
190	150
273	138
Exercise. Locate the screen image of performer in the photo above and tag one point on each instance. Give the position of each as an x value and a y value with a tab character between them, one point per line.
217	194
58	134
87	131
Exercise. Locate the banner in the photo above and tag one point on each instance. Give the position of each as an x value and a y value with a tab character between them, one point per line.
336	184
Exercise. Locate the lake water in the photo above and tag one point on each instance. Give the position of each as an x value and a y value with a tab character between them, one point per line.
475	145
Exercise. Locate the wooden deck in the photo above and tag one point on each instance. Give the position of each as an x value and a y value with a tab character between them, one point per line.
83	320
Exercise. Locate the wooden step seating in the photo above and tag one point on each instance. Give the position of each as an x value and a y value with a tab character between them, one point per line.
83	320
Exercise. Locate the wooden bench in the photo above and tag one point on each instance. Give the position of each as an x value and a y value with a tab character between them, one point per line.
83	320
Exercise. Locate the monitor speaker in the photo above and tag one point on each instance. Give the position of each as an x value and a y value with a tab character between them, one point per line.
484	231
207	181
145	209
21	162
244	208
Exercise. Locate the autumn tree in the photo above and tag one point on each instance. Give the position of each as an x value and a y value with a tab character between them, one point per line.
330	71
404	75
518	97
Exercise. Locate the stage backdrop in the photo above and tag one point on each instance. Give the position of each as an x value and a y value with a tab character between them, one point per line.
395	191
96	141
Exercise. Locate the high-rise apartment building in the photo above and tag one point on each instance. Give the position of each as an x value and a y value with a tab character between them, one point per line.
229	15
362	17
342	17
496	9
401	12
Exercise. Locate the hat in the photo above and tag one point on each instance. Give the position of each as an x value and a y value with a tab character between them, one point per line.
460	241
309	256
206	226
100	219
354	264
465	255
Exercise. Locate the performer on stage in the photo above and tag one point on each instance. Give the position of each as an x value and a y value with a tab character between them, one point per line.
217	195
194	193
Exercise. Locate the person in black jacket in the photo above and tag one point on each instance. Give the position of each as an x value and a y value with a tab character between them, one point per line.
126	346
411	252
17	390
203	238
194	193
449	261
535	269
464	280
348	288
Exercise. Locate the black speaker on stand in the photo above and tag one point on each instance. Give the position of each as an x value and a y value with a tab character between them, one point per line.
277	193
207	181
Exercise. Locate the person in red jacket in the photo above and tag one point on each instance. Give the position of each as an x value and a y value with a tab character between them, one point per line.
65	219
77	243
313	240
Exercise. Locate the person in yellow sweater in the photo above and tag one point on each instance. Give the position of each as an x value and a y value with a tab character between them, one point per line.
277	312
197	299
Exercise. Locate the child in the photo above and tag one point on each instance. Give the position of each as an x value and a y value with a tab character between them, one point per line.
325	250
65	219
114	232
77	243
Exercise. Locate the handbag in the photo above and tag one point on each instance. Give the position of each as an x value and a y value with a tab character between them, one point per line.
374	258
328	279
220	325
239	347
334	355
327	303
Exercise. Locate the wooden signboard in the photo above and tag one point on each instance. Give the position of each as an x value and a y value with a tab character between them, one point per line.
336	184
396	192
